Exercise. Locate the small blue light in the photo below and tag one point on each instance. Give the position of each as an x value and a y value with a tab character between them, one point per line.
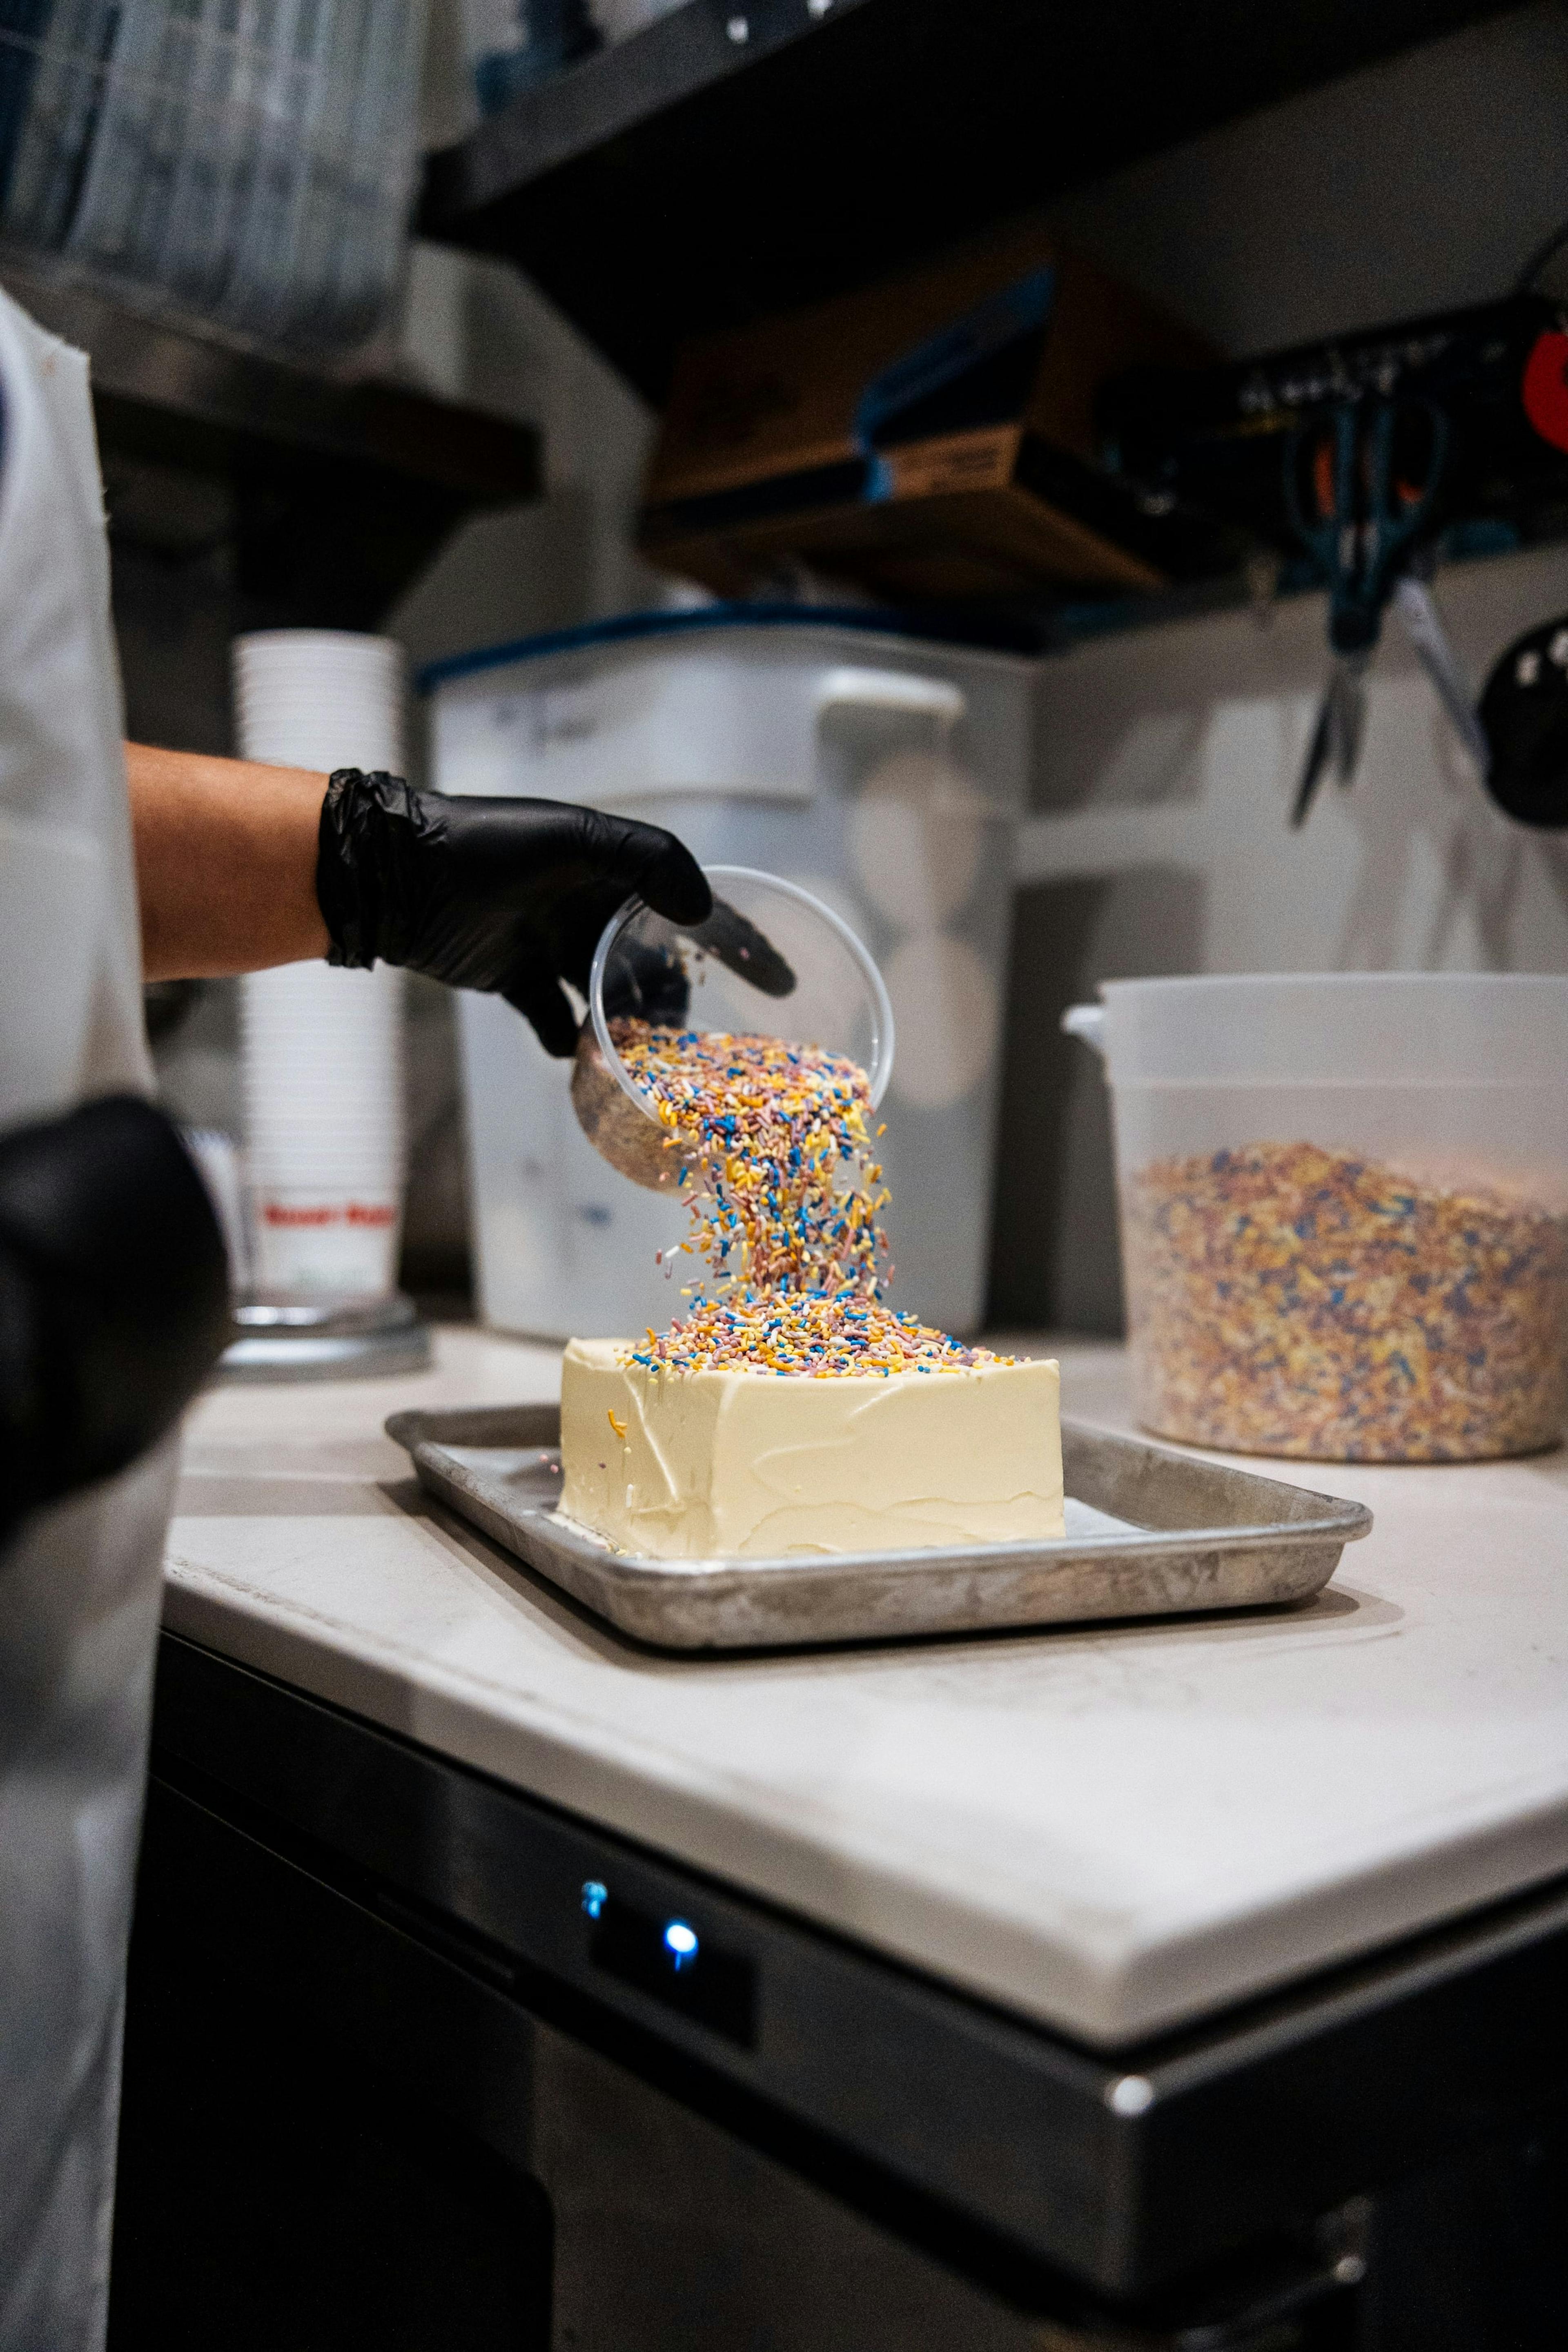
596	1894
681	1942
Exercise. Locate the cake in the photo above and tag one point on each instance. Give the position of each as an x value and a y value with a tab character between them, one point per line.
790	1408
743	1462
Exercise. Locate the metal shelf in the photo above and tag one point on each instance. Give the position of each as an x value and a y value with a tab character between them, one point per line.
332	490
742	156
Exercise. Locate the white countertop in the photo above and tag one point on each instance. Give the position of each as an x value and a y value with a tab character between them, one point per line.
1108	1830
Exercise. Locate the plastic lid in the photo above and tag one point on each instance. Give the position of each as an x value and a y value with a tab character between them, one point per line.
958	627
826	991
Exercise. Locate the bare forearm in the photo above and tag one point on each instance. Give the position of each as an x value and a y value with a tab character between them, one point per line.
226	863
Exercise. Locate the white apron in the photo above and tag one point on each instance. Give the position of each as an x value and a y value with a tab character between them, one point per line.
78	1583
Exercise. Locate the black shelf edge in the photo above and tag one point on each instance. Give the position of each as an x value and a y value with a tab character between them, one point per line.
680	57
1062	624
222	394
690	180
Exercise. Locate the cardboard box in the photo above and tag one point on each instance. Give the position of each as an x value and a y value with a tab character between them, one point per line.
931	438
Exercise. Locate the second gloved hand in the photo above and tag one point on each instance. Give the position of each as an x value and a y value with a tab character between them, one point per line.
508	896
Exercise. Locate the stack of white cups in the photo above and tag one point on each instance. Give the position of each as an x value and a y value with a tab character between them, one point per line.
321	1049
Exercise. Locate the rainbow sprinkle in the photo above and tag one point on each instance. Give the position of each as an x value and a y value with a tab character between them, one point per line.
1291	1301
811	1335
785	1203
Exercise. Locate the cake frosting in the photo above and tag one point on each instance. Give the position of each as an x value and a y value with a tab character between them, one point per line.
741	1462
790	1408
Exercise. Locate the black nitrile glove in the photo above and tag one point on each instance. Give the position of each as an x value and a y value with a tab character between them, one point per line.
508	896
114	1295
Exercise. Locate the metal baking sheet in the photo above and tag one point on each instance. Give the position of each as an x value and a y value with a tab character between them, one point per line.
1150	1533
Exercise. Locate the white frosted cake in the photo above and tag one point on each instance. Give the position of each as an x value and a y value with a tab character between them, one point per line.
720	1463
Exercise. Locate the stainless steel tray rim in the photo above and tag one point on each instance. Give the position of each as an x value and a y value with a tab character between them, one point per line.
475	1463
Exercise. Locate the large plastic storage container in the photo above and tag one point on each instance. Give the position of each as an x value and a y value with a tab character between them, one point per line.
881	771
1344	1209
253	167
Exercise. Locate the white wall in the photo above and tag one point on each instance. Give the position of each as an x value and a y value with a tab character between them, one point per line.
476	330
1415	185
1182	746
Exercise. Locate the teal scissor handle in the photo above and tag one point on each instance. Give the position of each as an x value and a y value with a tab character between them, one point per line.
1359	544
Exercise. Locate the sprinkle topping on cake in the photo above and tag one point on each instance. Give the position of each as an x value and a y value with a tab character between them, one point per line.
786	1202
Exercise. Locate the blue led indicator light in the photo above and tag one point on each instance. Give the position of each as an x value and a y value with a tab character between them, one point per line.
596	1894
681	1942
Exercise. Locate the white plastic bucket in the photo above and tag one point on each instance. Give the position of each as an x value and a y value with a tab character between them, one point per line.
1343	1209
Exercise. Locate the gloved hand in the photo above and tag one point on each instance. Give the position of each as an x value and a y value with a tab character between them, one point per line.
503	895
114	1295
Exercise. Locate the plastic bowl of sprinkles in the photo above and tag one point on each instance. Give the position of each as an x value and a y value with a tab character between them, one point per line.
772	962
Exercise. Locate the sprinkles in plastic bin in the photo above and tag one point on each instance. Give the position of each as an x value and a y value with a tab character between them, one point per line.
1291	1301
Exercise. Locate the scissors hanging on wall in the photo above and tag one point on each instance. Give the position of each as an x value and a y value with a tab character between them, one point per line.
1361	490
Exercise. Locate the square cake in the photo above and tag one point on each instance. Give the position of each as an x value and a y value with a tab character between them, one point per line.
737	1463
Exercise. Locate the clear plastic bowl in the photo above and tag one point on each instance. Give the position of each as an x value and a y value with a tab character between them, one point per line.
837	1002
1343	1209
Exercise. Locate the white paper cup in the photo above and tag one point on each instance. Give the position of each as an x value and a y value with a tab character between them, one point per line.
320	698
335	1238
321	1049
289	654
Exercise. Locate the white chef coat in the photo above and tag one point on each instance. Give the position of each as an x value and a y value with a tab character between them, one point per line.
79	1581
